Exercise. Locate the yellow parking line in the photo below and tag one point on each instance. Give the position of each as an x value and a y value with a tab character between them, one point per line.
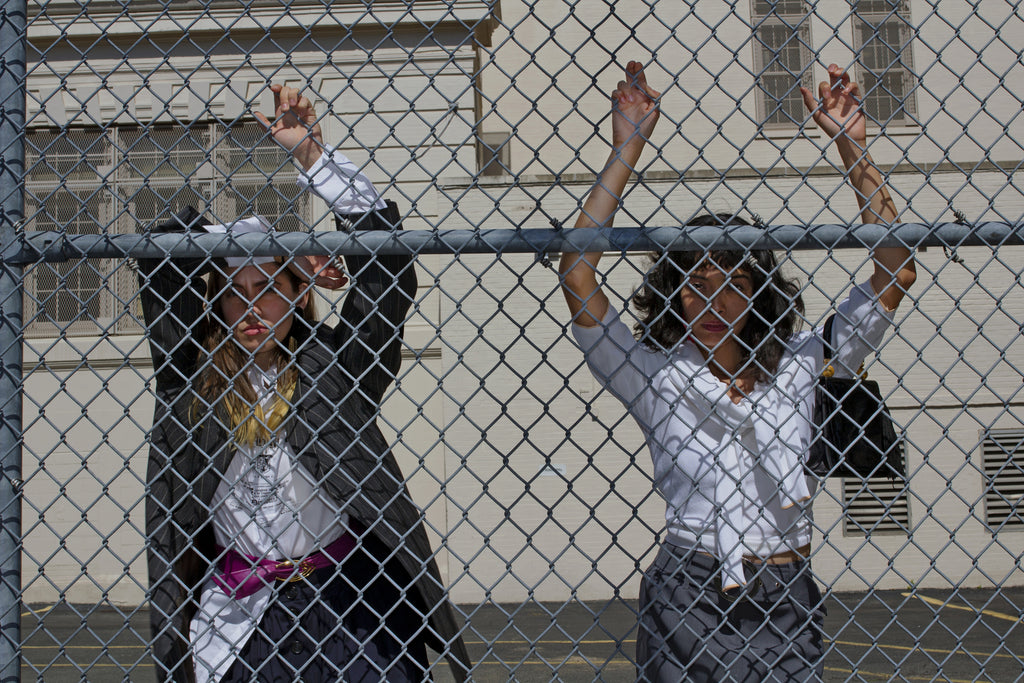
624	644
56	646
97	665
845	643
903	677
615	661
933	650
561	641
573	661
859	672
986	612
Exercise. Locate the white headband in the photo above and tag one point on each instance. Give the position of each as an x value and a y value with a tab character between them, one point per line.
240	227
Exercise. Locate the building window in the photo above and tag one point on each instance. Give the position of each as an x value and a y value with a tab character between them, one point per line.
1003	464
123	179
72	292
783	60
881	37
784	57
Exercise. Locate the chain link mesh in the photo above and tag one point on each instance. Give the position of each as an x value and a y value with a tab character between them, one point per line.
487	123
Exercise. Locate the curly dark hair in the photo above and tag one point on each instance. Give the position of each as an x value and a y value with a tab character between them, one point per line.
775	314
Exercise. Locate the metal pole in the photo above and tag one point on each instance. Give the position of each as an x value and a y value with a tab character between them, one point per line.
54	246
13	24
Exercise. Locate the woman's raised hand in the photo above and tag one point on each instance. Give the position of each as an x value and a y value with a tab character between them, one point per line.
322	271
295	126
839	114
634	108
837	110
634	115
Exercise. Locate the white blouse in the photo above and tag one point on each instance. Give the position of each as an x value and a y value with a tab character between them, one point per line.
731	474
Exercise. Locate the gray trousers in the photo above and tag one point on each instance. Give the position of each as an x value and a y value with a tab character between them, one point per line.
689	631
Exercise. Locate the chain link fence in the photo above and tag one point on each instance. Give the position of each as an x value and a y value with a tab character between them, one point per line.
486	122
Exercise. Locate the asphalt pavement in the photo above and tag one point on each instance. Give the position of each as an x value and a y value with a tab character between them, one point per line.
925	635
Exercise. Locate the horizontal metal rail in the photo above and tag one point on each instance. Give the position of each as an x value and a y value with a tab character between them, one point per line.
54	246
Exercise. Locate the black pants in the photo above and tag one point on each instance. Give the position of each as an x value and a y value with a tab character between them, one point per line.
319	629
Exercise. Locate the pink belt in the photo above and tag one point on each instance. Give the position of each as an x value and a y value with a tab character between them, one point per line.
241	575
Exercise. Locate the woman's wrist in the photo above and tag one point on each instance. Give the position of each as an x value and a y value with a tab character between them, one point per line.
852	153
309	153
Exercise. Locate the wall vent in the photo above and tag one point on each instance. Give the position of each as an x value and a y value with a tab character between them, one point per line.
876	505
1002	455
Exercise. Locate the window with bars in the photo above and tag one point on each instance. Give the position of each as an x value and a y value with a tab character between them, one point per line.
784	59
1003	467
881	36
877	505
121	180
492	154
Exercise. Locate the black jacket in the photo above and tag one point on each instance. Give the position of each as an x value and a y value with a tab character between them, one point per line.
343	374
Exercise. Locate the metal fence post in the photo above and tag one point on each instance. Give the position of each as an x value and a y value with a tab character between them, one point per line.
12	170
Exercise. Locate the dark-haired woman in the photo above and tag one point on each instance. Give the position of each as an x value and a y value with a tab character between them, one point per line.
721	382
283	544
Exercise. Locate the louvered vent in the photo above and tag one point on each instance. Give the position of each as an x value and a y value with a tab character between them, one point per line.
879	505
1003	462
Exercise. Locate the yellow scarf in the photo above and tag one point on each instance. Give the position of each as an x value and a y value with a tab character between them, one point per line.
253	425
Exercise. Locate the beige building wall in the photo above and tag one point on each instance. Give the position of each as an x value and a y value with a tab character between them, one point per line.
533	481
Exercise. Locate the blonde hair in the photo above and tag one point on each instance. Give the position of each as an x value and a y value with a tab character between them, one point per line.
226	383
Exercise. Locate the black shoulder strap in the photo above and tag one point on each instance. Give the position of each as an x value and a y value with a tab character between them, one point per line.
826	338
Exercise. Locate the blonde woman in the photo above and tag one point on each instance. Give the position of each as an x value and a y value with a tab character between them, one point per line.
283	544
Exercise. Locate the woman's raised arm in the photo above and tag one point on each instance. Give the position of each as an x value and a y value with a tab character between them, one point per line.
634	115
296	127
172	294
838	113
368	339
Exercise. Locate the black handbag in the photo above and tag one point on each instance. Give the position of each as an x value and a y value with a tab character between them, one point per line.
854	432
